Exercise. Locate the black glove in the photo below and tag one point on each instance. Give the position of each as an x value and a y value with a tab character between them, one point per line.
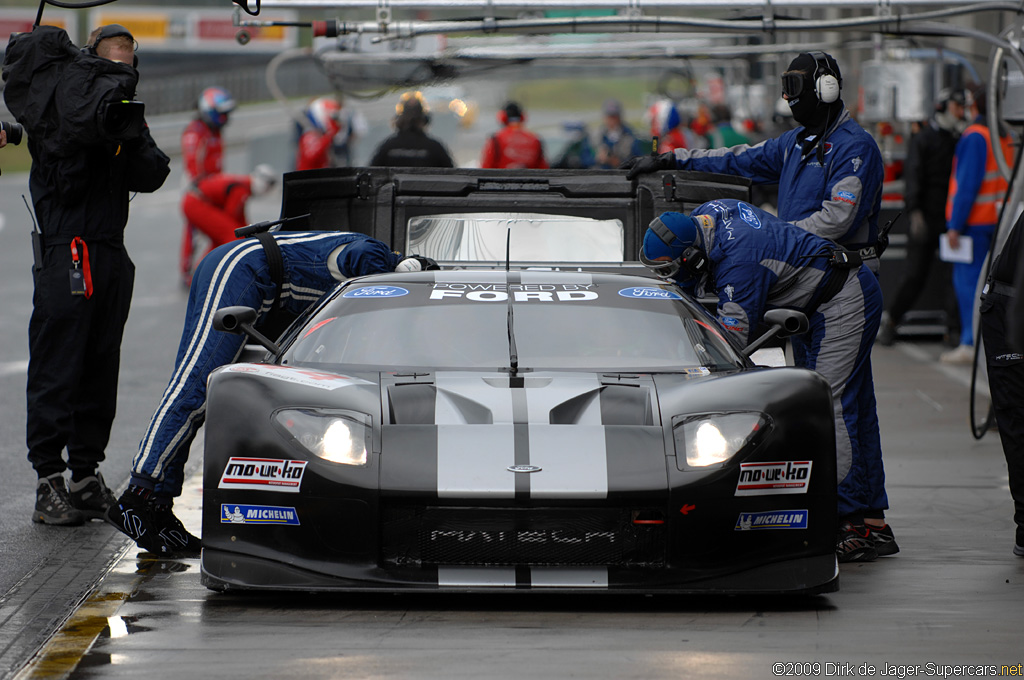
417	263
640	165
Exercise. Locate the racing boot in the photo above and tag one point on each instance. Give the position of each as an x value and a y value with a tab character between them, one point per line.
132	515
173	532
883	540
91	497
854	543
53	506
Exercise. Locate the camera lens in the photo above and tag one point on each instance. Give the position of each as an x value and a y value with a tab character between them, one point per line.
14	131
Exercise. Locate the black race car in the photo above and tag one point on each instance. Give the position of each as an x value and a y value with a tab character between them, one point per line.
516	429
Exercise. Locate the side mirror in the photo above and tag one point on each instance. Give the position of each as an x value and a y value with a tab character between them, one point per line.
239	320
783	323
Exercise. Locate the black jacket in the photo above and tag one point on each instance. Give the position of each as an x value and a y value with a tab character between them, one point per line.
81	176
926	173
412	149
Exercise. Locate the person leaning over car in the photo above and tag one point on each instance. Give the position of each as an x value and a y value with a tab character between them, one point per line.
90	149
829	170
236	273
754	261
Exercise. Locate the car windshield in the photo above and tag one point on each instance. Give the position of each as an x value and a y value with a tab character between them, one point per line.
460	320
529	237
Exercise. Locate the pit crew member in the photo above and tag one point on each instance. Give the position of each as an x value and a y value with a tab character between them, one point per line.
753	261
237	273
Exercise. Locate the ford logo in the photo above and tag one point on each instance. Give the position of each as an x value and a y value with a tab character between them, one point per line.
649	293
376	292
523	468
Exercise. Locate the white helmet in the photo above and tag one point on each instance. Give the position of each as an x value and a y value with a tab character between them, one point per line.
262	179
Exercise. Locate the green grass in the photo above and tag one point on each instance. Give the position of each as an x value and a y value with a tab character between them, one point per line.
15	158
582	94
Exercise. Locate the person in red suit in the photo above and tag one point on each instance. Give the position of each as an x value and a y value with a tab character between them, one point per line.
315	143
513	146
215	205
202	152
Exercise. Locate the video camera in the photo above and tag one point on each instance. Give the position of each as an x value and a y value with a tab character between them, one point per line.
14	131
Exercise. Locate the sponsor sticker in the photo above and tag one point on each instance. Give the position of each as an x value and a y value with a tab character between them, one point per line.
263	474
298	376
526	292
747	215
770	479
257	514
777	519
649	293
846	197
376	292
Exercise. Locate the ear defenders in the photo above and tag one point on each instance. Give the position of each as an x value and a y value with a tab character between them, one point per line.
112	31
826	83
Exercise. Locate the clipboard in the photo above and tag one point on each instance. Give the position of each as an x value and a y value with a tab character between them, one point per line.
963	255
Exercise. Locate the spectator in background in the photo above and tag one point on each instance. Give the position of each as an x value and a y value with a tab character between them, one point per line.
316	142
578	153
513	146
926	180
215	205
977	189
202	152
411	146
351	126
667	126
616	141
721	132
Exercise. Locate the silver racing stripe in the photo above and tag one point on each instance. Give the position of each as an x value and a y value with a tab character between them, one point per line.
473	455
505	577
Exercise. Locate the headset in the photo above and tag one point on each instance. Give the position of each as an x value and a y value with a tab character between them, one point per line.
693	261
112	31
826	83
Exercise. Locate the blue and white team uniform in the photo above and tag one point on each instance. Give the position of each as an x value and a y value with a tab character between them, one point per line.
759	262
836	194
238	273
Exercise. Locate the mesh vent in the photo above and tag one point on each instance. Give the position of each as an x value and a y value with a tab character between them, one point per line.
520	536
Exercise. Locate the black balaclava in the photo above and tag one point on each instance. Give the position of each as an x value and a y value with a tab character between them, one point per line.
807	110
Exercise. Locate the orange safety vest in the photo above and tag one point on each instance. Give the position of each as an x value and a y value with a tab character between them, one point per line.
993	187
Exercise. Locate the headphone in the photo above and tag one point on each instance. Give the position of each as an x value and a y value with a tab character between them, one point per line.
826	83
694	260
112	31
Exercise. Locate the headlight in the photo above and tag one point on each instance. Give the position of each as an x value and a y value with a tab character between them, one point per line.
714	438
340	437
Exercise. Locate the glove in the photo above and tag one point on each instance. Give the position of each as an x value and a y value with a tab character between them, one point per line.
417	263
641	165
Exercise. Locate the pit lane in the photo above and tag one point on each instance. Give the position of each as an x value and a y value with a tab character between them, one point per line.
85	604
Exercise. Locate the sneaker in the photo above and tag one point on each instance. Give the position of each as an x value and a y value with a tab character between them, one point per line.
884	540
53	506
132	515
963	354
1018	550
854	544
91	497
174	533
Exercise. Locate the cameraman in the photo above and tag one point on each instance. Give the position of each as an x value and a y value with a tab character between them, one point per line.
90	148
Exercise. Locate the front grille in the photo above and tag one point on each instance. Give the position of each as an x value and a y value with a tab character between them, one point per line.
519	536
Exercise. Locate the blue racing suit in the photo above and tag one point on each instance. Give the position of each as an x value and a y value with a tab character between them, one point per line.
238	273
759	262
838	197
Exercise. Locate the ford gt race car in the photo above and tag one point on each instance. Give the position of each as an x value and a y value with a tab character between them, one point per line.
498	430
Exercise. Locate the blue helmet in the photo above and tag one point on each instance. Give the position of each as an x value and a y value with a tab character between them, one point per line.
215	103
671	247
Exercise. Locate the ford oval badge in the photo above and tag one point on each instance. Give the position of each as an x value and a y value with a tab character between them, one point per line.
523	468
